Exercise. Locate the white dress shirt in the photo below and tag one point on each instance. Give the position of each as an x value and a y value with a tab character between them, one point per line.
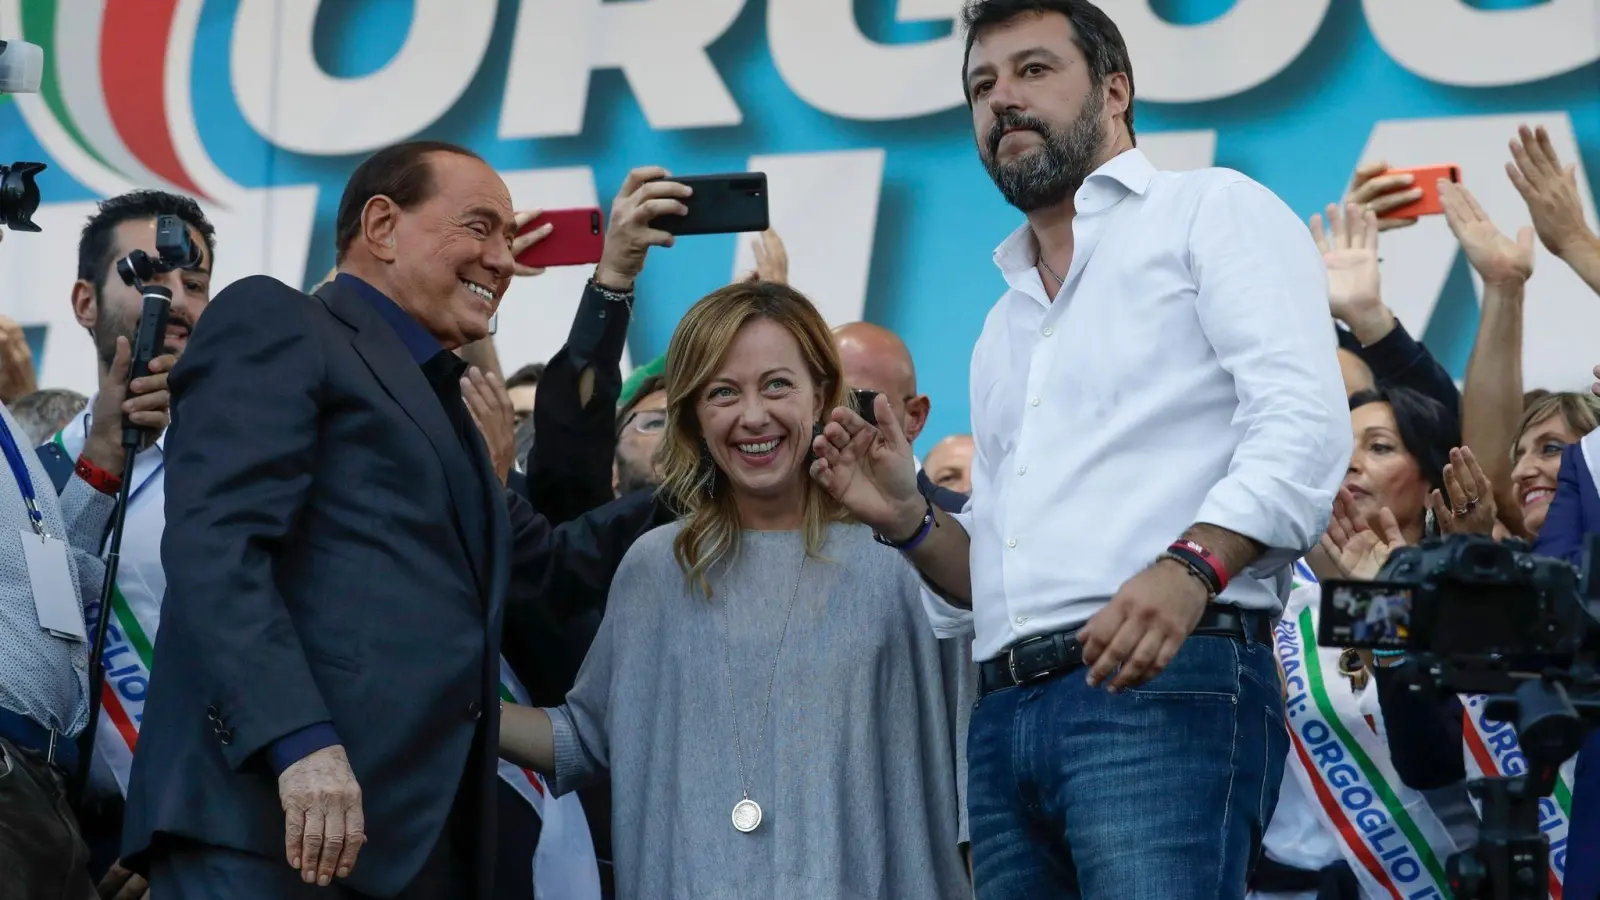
1185	373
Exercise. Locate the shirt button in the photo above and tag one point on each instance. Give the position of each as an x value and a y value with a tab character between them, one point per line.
1034	402
1011	543
1022	469
1048	331
1022	620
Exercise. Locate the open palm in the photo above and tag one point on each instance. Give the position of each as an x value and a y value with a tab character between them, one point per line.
1349	245
1495	257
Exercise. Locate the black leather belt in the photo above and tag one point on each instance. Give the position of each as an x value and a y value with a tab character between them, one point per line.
1048	655
56	748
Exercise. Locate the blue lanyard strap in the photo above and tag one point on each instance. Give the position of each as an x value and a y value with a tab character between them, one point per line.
19	469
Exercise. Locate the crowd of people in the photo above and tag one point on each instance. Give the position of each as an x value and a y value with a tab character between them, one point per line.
388	623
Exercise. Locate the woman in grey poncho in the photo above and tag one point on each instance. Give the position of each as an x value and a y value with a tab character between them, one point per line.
764	690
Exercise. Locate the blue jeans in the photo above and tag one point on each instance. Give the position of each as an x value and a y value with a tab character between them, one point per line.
1159	792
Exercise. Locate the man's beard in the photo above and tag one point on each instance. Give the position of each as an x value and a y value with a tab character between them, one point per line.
632	477
1049	173
108	329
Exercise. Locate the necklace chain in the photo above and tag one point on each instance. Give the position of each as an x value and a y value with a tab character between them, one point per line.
1061	282
733	707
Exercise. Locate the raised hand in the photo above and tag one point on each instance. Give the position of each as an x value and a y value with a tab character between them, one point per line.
1496	258
323	823
1372	190
629	235
16	363
1469	507
1357	549
772	259
491	409
523	241
870	470
1550	190
1349	245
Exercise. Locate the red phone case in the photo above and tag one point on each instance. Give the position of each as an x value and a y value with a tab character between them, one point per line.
576	238
1427	178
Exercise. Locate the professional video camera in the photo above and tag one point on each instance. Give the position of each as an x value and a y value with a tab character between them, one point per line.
1481	617
21	70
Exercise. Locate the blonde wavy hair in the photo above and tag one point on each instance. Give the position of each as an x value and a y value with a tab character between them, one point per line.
1579	410
690	479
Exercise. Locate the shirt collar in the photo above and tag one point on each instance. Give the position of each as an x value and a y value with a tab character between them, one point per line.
1129	172
422	345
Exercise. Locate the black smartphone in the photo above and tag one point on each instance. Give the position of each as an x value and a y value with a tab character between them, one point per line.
721	204
864	403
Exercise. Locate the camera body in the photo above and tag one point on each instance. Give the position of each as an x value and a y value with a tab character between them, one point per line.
1465	597
174	251
21	71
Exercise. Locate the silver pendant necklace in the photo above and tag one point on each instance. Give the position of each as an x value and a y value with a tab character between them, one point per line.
1060	282
747	812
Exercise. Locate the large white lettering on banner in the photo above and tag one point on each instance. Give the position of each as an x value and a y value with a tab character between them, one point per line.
855	111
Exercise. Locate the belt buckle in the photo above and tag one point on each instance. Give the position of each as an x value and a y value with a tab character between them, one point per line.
1011	659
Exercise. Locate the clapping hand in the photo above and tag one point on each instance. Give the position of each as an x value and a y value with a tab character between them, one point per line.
490	405
1496	258
1470	506
1356	549
1549	189
869	470
1372	191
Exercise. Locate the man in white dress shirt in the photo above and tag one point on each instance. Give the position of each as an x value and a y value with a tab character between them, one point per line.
1160	426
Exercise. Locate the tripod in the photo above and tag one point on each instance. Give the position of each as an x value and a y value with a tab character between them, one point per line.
1512	858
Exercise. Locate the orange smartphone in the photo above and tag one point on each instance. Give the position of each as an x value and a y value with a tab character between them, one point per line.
1426	178
576	238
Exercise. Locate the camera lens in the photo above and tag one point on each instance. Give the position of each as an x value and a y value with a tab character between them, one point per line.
19	195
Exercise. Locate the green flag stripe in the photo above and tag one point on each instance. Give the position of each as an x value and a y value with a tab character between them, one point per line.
39	27
119	606
1397	810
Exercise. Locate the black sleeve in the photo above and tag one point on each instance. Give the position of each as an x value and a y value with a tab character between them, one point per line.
1399	359
560	576
240	455
1424	733
569	467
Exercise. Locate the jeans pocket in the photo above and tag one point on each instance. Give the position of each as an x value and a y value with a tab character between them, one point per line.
1206	668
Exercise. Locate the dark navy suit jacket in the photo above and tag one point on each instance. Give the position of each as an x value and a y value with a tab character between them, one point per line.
1574	513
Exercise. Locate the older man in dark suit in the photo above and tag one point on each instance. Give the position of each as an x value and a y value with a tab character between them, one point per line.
338	558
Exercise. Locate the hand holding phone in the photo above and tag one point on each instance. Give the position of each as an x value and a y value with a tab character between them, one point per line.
561	237
1426	180
721	204
645	195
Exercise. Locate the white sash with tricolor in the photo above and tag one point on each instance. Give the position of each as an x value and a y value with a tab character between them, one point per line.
1492	750
564	866
135	613
1386	831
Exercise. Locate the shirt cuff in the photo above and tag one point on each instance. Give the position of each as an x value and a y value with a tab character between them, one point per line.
1285	518
947	619
599	331
297	745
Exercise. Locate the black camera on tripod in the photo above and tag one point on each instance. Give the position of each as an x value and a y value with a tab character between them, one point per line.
1481	617
21	70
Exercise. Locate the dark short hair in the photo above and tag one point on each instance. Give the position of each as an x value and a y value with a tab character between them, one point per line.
97	246
1093	31
646	387
1428	429
400	172
528	374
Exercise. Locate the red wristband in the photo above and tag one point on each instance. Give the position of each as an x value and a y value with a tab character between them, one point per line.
1194	553
98	478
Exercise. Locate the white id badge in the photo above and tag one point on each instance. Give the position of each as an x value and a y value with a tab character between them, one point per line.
55	597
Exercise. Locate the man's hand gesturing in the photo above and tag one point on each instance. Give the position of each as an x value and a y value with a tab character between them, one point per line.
324	827
645	195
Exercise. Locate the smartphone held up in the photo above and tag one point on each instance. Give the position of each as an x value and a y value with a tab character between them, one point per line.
1426	180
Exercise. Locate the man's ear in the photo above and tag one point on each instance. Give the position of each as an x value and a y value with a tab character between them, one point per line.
380	219
917	409
84	307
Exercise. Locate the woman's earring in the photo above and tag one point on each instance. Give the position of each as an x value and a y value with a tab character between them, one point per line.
710	467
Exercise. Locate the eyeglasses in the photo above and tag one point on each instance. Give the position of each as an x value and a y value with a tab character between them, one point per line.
646	421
